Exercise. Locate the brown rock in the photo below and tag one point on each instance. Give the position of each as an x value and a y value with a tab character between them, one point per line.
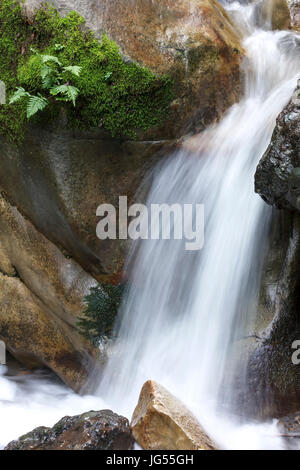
192	40
161	422
95	430
41	296
276	12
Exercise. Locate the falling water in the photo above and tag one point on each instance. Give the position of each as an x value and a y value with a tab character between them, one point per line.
185	310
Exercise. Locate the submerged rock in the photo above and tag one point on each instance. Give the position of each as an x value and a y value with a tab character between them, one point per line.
95	430
161	422
277	177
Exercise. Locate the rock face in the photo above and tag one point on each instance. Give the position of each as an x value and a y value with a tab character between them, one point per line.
161	422
40	297
95	430
277	177
273	377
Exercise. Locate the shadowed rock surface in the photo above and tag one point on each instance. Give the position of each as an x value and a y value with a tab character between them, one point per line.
277	177
95	430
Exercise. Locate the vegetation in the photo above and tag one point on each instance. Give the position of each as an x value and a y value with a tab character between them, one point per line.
118	96
102	305
55	81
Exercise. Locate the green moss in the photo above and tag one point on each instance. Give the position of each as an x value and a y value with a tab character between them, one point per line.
117	96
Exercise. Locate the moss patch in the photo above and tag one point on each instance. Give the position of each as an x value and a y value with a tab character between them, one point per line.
118	96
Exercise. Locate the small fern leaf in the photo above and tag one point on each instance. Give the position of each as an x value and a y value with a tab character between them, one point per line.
70	92
74	69
50	58
20	93
35	104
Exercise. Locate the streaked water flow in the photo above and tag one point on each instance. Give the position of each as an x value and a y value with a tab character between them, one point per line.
185	310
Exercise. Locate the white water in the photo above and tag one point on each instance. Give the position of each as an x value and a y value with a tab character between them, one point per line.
185	309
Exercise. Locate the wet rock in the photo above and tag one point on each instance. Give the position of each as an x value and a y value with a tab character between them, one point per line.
161	422
57	179
41	298
272	376
95	430
277	178
274	14
289	430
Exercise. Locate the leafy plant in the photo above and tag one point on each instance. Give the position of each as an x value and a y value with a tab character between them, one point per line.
98	318
54	80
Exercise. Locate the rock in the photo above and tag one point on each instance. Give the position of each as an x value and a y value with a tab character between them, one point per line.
289	429
294	7
277	178
41	297
273	378
57	179
274	13
192	40
95	430
161	422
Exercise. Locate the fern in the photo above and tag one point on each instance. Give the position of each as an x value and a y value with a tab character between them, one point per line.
20	93
35	104
73	69
69	92
102	305
49	58
52	77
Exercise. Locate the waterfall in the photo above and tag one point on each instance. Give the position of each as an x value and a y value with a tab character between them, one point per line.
185	311
185	314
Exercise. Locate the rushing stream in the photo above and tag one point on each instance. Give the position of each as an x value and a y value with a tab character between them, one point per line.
185	310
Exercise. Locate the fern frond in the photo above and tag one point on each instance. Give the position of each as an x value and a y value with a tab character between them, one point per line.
69	92
20	93
74	69
35	104
50	58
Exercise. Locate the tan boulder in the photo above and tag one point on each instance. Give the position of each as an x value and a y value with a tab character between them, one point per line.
161	422
41	293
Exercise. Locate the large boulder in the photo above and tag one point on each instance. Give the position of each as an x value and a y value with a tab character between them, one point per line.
277	178
193	41
161	422
57	178
40	300
95	430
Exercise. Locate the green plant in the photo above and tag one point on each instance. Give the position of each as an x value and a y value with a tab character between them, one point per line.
98	318
119	96
55	81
